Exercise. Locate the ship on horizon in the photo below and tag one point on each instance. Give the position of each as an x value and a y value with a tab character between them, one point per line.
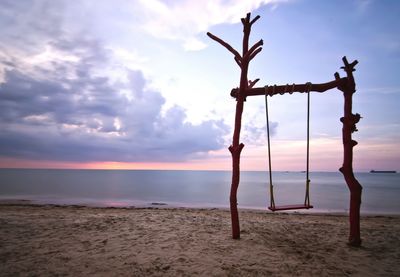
383	171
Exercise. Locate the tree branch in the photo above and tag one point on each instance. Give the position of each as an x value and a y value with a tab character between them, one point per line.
282	89
255	53
253	48
227	46
247	19
239	62
255	19
252	83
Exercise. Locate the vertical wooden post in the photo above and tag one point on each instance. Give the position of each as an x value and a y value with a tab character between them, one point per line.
349	126
236	147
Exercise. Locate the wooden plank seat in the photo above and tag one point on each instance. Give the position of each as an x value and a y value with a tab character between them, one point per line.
290	207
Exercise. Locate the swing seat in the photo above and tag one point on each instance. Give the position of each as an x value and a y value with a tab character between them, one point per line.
290	207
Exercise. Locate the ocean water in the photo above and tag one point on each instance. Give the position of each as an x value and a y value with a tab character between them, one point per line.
118	188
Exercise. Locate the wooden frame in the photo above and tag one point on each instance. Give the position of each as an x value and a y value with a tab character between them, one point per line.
349	120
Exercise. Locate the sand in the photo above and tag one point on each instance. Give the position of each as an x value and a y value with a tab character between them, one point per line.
83	241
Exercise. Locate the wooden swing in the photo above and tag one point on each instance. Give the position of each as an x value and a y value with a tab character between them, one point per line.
247	88
306	204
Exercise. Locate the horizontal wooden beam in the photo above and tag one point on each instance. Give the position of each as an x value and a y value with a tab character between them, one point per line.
282	89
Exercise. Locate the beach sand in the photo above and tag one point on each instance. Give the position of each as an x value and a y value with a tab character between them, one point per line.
83	241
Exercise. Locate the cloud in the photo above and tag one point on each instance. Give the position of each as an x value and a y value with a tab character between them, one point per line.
193	44
62	105
184	20
258	136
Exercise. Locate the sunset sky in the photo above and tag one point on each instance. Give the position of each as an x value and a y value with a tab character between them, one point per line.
138	84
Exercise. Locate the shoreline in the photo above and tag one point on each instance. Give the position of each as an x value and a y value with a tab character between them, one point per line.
162	206
78	240
166	205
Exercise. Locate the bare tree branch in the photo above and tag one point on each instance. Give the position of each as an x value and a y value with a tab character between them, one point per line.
282	89
253	48
255	53
239	62
255	19
226	45
246	20
252	83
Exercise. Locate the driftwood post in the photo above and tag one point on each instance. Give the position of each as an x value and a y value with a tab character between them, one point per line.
349	121
236	147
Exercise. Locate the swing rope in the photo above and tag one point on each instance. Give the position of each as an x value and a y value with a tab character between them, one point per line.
271	187
307	197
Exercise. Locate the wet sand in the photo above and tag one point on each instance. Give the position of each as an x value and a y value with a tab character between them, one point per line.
81	241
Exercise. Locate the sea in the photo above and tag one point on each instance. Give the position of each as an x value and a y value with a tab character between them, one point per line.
196	189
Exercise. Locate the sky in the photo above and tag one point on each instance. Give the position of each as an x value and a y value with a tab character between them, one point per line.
137	84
